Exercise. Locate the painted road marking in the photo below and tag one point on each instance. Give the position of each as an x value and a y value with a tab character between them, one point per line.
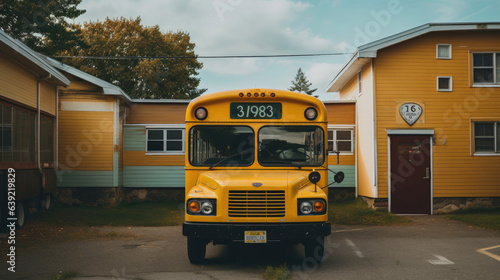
484	251
354	248
440	260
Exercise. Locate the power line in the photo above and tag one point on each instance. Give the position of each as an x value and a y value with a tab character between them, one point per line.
199	57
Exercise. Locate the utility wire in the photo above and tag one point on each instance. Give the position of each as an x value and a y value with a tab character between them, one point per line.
198	57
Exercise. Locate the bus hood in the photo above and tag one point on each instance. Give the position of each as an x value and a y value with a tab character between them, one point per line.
245	179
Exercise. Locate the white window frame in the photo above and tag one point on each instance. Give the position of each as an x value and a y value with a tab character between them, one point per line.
443	57
335	129
496	149
182	128
444	77
495	83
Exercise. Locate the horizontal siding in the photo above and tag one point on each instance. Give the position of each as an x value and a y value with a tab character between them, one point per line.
407	72
131	158
48	98
82	86
134	138
153	176
86	140
350	176
77	178
17	83
343	159
156	114
341	113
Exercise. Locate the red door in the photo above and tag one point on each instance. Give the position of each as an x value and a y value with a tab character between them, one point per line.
410	174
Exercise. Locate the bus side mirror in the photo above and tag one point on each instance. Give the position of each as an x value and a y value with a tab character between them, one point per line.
314	177
339	177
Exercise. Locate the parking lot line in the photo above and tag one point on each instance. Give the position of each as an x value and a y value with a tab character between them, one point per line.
354	248
484	251
440	260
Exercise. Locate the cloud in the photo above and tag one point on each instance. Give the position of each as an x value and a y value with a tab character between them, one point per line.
320	74
449	10
225	27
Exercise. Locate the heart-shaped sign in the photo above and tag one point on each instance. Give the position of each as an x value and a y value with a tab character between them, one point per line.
410	112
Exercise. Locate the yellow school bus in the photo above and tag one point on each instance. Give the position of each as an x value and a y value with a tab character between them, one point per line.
256	170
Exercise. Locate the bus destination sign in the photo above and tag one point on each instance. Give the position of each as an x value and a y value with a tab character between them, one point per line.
249	110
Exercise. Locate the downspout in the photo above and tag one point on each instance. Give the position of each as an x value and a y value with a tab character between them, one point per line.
38	146
56	132
375	161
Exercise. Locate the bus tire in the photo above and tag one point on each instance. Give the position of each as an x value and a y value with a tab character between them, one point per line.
196	250
46	202
20	215
315	248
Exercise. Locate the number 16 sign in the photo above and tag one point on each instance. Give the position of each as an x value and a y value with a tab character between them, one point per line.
410	112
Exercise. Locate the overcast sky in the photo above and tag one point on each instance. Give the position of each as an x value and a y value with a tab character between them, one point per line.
264	27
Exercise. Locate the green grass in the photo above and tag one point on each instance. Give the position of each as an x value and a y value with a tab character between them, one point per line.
168	213
357	212
484	218
276	273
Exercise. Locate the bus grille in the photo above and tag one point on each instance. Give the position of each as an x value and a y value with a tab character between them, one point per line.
256	204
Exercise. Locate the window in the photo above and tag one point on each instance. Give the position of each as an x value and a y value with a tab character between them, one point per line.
444	84
340	140
165	140
360	83
291	146
443	51
17	135
221	145
486	68
46	139
487	137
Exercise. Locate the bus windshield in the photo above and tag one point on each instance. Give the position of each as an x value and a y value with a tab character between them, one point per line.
291	145
221	146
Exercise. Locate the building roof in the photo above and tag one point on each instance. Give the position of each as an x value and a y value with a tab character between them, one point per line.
365	52
31	59
108	88
162	101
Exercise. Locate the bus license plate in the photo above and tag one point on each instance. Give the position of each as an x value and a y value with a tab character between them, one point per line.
255	236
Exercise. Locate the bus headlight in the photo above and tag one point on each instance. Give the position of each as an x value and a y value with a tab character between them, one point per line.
306	208
195	206
311	113
311	206
207	208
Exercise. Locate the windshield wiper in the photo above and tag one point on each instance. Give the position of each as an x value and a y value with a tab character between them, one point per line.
231	156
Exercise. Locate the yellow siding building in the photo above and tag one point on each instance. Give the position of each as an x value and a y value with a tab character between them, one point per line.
91	118
28	119
428	116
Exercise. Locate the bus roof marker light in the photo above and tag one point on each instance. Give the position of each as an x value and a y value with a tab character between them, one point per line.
311	113
256	94
201	113
272	94
263	95
249	94
241	94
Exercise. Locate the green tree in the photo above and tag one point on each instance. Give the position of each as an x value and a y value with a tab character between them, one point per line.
151	77
301	84
42	25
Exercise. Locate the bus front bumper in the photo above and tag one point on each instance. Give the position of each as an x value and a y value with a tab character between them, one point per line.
222	232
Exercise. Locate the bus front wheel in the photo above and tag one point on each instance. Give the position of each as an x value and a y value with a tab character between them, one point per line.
315	248
196	250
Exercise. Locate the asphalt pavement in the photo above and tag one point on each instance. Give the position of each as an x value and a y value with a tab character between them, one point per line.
432	247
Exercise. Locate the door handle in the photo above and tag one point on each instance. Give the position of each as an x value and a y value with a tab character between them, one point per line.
427	173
